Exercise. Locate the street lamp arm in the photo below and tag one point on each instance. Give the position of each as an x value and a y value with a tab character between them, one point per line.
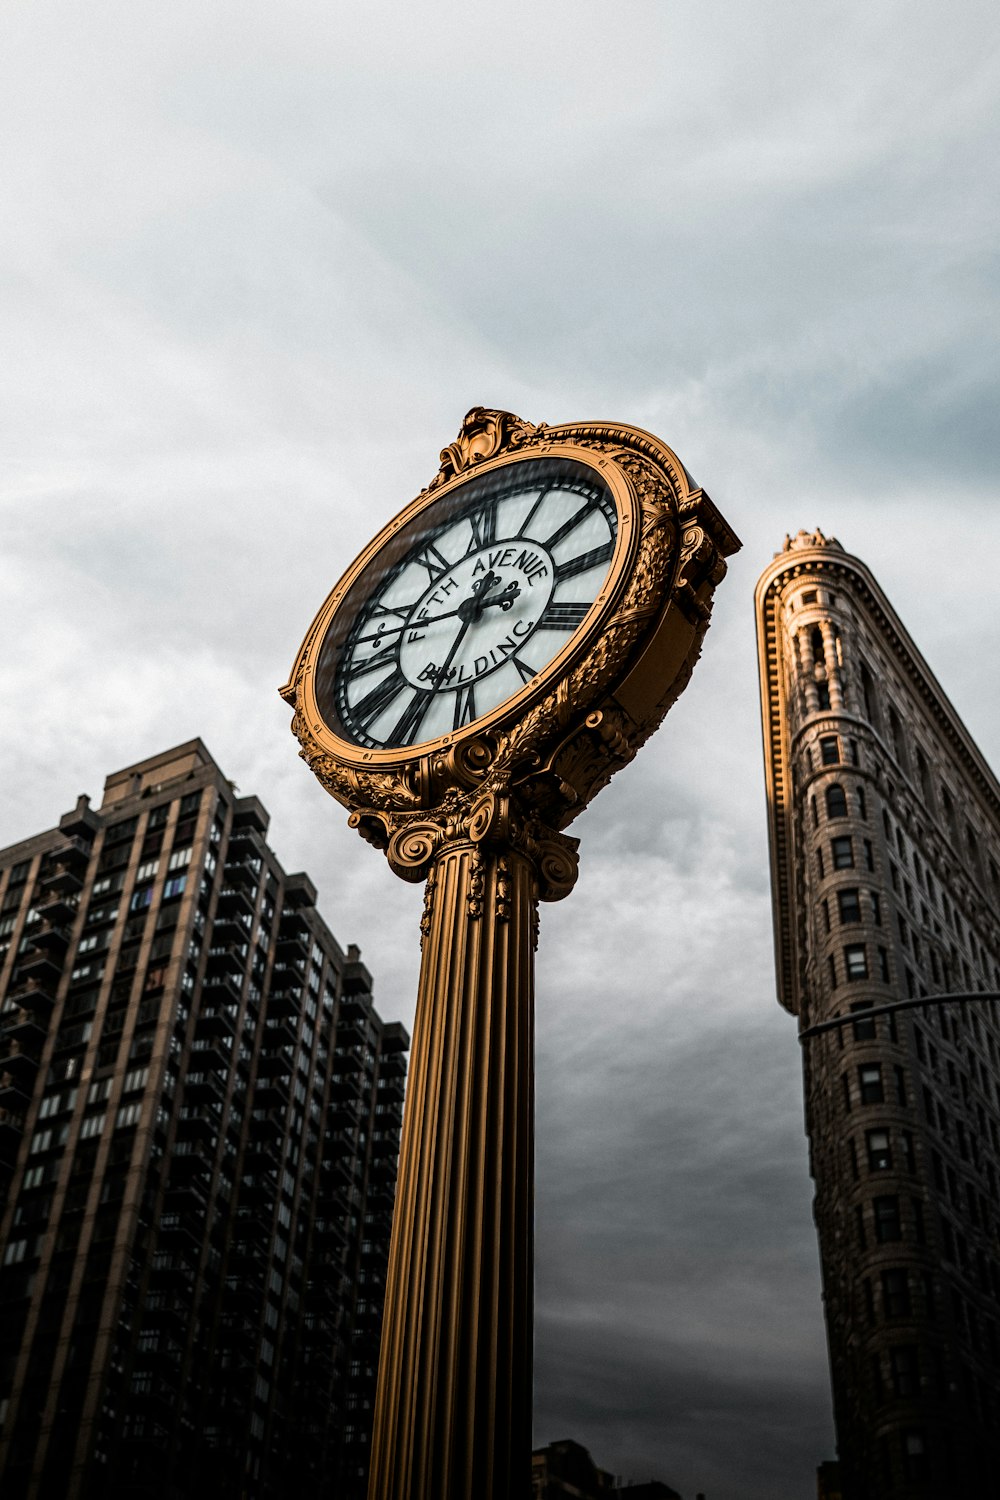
960	997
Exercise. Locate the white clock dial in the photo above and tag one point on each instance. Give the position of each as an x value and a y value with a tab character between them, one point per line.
504	573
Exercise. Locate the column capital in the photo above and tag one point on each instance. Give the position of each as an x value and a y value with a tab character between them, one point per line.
492	822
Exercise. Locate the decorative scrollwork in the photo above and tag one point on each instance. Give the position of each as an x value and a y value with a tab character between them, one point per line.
476	887
411	849
545	764
482	435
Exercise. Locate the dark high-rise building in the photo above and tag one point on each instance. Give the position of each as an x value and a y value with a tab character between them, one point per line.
199	1125
885	861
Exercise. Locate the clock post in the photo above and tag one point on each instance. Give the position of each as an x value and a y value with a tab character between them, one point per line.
423	708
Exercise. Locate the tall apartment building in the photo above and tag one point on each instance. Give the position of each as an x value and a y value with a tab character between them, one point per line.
199	1124
885	862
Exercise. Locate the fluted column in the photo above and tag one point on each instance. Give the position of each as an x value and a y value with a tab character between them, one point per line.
453	1405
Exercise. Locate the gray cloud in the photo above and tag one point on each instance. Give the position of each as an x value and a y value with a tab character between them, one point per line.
257	264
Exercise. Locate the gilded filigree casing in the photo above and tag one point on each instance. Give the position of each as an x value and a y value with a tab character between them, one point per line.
553	745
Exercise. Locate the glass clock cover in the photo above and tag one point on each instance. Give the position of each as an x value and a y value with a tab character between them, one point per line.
468	604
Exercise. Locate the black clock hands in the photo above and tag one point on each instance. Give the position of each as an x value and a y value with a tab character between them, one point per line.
472	608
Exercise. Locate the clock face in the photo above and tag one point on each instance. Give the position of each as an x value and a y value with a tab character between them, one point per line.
454	618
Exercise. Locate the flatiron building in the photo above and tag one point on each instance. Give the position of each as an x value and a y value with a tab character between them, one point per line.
884	825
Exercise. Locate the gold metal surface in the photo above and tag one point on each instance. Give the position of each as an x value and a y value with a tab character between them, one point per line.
478	814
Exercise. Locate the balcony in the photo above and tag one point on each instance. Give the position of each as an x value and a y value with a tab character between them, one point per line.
294	945
272	1093
215	1021
58	909
348	1111
14	1095
22	1027
234	902
191	1167
228	931
33	994
391	1091
200	1128
240	875
11	1124
278	1032
39	966
205	1087
222	989
19	1063
272	1064
186	1198
63	881
52	938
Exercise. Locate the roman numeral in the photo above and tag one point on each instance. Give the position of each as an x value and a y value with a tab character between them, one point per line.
406	731
484	526
527	673
570	525
532	513
584	562
371	705
368	664
434	561
465	706
562	616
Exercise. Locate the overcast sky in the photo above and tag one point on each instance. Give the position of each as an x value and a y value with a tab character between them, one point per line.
258	260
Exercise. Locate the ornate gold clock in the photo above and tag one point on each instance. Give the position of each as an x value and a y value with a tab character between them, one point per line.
500	649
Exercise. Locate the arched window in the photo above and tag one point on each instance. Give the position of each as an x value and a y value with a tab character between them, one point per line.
868	694
836	801
897	738
818	648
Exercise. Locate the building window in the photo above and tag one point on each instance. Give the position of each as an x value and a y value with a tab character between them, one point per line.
876	905
179	858
832	968
864	1030
887	1224
869	855
856	961
850	905
914	1455
836	801
879	1150
883	965
842	852
141	898
174	886
903	1364
870	1083
829	750
895	1294
862	803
